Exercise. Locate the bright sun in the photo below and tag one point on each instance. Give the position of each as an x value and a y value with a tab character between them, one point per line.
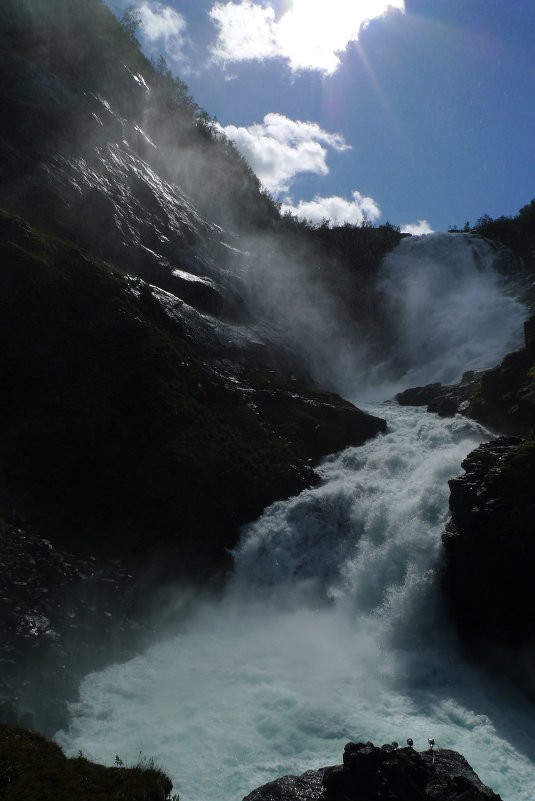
312	32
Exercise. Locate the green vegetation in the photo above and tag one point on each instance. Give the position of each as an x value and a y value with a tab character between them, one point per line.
34	769
516	233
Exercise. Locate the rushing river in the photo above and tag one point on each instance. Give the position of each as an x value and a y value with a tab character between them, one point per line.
332	626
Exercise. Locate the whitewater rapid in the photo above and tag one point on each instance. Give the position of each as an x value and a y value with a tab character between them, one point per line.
332	626
331	630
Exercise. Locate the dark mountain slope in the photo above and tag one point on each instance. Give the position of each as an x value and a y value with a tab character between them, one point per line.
120	430
148	402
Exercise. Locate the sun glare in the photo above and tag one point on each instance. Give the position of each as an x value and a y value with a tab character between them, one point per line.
313	32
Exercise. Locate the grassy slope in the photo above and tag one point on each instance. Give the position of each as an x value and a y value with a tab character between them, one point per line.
33	768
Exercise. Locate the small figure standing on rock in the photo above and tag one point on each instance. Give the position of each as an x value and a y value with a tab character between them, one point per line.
431	742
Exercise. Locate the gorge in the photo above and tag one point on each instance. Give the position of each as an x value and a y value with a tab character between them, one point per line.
221	535
332	626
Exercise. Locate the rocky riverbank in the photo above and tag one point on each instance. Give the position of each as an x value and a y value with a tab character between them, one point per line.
490	557
502	397
489	545
60	615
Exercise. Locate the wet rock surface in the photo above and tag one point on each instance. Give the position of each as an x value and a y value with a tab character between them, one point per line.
370	773
444	400
490	554
60	615
502	397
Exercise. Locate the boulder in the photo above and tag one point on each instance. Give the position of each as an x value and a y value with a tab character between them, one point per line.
370	773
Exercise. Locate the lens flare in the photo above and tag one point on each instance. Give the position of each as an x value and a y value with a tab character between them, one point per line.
312	33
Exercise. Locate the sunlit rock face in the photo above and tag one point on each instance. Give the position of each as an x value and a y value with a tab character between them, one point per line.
93	175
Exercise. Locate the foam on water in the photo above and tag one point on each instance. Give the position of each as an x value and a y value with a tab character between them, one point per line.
331	629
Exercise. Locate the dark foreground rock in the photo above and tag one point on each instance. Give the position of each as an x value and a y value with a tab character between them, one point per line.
370	773
33	768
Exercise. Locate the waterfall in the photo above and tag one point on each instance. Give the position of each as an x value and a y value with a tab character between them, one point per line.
332	626
449	309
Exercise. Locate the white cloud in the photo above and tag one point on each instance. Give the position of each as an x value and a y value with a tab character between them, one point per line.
163	25
311	34
336	210
279	149
246	31
417	228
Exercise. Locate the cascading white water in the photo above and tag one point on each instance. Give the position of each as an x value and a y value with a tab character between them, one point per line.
449	309
331	629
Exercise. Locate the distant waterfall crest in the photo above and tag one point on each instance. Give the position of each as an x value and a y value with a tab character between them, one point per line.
448	311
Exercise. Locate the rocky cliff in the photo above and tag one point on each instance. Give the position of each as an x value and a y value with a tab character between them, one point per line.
149	366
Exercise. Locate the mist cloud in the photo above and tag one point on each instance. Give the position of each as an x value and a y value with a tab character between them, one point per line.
336	210
278	149
164	26
308	36
417	228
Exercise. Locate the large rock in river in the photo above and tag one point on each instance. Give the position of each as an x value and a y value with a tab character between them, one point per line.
370	773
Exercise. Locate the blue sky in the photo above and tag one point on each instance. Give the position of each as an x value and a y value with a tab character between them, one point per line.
422	114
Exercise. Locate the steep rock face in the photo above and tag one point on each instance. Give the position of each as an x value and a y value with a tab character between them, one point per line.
490	550
505	396
120	416
124	163
370	773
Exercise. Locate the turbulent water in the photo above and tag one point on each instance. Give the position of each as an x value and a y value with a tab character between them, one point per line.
332	626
